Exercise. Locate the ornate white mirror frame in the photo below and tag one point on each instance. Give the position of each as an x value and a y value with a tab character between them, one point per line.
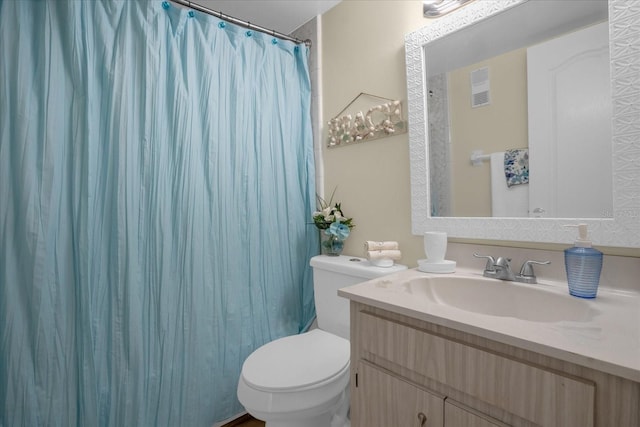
623	229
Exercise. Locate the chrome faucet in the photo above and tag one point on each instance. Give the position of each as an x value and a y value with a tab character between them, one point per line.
501	269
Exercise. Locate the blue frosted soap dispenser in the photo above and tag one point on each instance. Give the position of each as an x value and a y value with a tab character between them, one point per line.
583	264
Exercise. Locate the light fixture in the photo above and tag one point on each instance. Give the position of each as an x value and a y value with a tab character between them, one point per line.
436	8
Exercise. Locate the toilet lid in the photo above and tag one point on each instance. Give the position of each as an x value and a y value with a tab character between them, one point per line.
297	361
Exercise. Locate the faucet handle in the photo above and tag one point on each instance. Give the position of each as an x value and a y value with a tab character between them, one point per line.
491	262
526	271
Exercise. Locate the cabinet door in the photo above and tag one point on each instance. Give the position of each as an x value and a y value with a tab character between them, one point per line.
384	400
456	415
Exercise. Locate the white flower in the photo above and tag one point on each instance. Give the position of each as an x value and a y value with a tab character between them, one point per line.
326	212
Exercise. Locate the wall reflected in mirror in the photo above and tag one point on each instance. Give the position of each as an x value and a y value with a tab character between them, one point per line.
532	81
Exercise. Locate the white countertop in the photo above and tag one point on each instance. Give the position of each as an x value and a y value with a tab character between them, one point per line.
609	341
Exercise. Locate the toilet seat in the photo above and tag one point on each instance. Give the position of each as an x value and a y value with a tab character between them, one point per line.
289	360
279	381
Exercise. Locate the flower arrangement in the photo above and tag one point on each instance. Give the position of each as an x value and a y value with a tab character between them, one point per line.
334	224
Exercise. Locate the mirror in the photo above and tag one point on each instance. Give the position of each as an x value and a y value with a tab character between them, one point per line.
617	226
519	87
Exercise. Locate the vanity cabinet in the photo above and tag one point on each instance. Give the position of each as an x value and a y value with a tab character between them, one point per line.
459	416
403	366
386	400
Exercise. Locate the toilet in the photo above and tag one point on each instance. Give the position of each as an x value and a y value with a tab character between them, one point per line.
303	380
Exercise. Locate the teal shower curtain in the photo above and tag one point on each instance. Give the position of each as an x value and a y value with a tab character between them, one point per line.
156	190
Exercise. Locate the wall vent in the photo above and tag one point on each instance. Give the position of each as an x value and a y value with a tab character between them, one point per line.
480	87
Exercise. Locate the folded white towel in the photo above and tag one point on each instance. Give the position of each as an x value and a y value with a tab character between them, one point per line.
393	254
370	245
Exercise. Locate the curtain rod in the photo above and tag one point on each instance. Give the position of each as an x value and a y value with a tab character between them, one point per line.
240	22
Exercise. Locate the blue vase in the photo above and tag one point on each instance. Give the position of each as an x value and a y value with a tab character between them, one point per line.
332	246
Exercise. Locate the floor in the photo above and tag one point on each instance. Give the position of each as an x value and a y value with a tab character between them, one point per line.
245	421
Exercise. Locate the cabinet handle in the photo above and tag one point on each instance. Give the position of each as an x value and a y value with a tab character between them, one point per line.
422	419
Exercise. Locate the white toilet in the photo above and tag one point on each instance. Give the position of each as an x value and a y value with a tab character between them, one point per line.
303	380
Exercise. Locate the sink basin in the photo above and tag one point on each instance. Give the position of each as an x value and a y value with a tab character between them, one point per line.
498	298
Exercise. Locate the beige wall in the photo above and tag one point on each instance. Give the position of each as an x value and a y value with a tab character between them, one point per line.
363	51
495	127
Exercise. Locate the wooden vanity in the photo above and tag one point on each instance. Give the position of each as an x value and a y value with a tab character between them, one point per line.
408	371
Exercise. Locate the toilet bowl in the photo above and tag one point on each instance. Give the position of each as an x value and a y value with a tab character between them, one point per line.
303	380
298	381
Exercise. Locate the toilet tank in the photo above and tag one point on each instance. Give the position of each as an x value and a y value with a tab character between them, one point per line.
331	273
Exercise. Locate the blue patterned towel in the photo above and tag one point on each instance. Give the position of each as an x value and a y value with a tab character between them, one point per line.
516	166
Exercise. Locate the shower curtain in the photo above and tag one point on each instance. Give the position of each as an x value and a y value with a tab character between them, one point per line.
156	190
